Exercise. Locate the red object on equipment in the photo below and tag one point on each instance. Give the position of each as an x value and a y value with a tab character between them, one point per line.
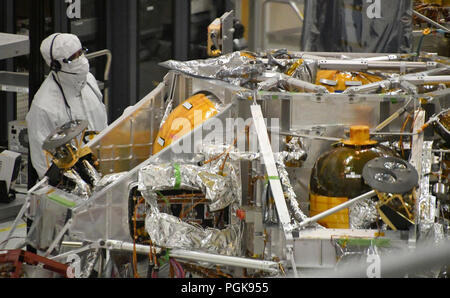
19	257
240	214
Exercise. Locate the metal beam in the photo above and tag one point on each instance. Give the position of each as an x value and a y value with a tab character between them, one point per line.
336	209
271	168
197	256
8	99
181	21
430	21
60	20
36	66
122	42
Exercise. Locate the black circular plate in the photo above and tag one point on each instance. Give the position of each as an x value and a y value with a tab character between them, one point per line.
390	175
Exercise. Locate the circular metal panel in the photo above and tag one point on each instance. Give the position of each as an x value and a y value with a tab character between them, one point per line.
64	134
390	175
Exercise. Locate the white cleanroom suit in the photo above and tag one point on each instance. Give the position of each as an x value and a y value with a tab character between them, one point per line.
70	92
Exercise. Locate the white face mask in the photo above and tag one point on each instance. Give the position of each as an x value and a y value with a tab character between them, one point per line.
75	73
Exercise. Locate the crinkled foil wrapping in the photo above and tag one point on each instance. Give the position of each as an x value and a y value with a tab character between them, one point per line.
249	156
439	233
281	158
210	150
295	150
229	168
427	226
230	67
190	177
90	261
108	179
222	191
163	177
362	214
289	193
169	231
82	189
426	201
305	71
295	144
445	208
248	69
93	173
238	69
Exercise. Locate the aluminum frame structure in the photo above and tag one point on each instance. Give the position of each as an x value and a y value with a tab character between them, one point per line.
124	148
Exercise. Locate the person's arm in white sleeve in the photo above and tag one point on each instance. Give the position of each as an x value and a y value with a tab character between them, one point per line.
100	122
39	128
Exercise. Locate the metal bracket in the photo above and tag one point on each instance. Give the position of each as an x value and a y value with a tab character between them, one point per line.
272	173
58	237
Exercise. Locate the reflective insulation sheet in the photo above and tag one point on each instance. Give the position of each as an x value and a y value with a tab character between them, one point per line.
220	191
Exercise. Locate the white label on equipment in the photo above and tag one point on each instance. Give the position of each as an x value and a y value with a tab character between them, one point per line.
353	175
161	141
187	105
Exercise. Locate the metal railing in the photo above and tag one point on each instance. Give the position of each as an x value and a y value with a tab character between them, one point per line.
108	55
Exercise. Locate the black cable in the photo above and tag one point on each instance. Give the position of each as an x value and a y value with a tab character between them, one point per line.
68	109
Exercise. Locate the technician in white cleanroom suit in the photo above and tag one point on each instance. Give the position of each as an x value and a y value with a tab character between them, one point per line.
70	92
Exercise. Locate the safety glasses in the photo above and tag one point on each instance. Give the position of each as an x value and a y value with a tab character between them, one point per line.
77	55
